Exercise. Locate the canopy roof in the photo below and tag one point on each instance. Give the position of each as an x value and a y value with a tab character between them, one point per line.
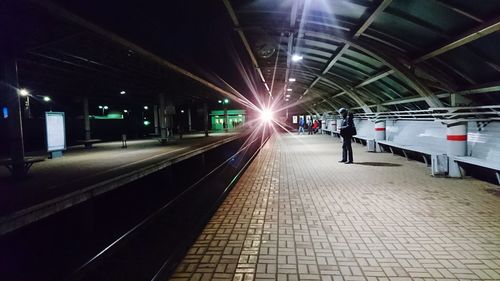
369	55
397	54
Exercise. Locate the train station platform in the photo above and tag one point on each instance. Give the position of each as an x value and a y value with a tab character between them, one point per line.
56	184
298	214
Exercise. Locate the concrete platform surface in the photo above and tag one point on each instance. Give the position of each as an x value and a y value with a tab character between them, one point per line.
297	214
105	166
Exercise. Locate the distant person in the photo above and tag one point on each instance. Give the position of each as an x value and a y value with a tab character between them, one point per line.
347	130
309	127
301	125
315	126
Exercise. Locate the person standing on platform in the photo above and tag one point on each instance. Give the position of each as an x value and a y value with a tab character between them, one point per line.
315	126
309	126
301	125
346	132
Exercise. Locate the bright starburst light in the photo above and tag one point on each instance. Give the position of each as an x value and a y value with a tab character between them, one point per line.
266	115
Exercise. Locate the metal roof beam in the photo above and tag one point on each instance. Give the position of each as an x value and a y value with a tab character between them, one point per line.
236	23
293	20
480	89
374	78
406	75
380	8
372	17
460	11
471	35
335	58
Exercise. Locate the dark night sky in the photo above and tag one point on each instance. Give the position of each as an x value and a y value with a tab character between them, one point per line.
194	34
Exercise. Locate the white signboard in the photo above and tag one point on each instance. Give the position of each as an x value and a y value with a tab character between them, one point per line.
294	119
56	132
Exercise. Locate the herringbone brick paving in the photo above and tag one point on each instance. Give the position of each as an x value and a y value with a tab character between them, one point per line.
297	214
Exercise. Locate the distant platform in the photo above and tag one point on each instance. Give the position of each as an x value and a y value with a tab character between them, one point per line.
56	184
298	214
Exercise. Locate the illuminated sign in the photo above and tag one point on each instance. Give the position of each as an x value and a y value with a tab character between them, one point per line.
5	111
56	132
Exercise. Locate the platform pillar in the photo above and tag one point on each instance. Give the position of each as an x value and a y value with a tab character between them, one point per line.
456	145
379	132
16	138
161	115
155	116
189	119
333	127
169	113
86	118
226	125
205	118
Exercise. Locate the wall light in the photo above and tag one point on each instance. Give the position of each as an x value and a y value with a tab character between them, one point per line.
46	99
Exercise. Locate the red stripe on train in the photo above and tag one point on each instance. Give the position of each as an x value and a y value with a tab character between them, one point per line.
456	137
379	129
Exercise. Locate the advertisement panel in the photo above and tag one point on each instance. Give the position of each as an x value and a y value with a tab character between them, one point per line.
56	131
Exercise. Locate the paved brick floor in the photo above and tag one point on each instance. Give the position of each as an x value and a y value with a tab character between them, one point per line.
297	214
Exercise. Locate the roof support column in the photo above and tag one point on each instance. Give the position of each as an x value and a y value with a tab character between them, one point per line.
189	119
205	118
155	116
225	125
169	113
16	138
86	118
163	121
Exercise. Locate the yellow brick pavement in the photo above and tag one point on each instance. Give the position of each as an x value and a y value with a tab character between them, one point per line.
297	214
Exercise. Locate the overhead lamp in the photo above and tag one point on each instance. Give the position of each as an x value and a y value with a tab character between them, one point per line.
126	111
287	96
146	107
289	90
182	110
100	106
226	101
292	80
297	58
220	101
123	93
24	92
46	99
287	100
105	107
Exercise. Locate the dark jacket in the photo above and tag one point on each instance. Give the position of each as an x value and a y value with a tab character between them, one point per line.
347	127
